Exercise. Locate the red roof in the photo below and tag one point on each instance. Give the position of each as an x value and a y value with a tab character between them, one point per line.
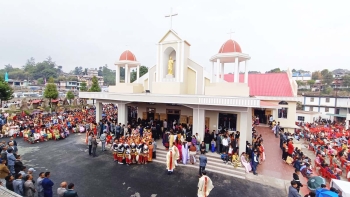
127	55
55	100
36	101
268	84
230	46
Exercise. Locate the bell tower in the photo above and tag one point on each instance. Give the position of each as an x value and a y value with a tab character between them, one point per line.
171	67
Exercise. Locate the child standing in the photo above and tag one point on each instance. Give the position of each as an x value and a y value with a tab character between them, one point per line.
213	145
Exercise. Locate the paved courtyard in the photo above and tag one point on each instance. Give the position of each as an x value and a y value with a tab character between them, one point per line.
68	160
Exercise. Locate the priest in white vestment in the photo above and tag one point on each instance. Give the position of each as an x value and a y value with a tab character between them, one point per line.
170	161
205	185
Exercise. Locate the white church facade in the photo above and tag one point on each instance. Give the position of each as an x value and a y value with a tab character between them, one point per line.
179	88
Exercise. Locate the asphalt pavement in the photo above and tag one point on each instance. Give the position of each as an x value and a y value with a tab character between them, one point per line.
68	160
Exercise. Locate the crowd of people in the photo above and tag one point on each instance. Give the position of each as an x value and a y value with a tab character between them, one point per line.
16	177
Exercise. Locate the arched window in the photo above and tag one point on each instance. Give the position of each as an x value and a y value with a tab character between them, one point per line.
283	103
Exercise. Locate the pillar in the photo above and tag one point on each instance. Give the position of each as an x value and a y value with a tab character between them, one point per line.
236	74
126	79
122	113
246	72
222	71
212	72
99	108
249	125
217	70
244	132
198	122
138	73
117	74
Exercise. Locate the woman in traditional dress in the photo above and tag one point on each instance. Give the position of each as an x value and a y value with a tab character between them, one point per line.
184	152
179	147
245	163
262	152
193	151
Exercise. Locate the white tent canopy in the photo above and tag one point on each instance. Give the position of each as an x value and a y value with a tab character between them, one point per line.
343	186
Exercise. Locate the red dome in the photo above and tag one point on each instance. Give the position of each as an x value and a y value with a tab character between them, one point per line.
127	55
230	46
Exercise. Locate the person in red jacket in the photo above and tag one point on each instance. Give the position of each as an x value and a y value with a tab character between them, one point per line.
290	148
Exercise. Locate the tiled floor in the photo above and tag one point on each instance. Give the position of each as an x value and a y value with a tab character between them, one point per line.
273	165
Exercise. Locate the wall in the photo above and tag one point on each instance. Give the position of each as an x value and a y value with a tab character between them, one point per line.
213	119
291	115
200	76
191	81
227	89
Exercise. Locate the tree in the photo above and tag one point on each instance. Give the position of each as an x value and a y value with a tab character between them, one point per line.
51	91
324	72
6	91
275	70
327	78
311	82
40	81
95	87
70	96
300	83
143	70
316	75
346	80
78	70
83	87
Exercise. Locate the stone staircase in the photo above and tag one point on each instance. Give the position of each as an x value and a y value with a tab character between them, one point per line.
215	164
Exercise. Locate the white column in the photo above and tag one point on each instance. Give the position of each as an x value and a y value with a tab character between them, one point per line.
117	74
217	70
199	122
212	73
138	73
182	62
222	72
177	63
98	110
249	125
126	78
246	72
158	65
122	113
161	64
236	74
244	132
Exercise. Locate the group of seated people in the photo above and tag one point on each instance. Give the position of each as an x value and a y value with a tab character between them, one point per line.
302	163
43	134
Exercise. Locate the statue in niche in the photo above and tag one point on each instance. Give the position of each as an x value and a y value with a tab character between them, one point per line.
170	66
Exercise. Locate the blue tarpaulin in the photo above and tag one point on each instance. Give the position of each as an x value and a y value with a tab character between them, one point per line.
325	193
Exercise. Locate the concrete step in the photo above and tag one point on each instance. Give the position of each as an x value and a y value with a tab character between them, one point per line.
213	165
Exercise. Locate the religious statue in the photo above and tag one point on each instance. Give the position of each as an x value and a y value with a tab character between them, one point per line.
170	66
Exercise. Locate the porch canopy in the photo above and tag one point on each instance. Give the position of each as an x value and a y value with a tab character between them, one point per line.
266	104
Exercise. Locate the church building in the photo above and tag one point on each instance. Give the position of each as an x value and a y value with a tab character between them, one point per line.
179	89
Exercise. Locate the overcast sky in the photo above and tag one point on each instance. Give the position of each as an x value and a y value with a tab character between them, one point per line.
309	35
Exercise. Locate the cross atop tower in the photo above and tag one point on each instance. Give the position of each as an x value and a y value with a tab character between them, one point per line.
171	17
231	32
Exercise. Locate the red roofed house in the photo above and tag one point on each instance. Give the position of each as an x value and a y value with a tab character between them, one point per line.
178	90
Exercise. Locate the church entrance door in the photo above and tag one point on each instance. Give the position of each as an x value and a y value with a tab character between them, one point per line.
228	121
150	114
261	114
173	116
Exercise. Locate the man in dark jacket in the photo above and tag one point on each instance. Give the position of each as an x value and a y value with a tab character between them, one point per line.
70	192
218	144
47	185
